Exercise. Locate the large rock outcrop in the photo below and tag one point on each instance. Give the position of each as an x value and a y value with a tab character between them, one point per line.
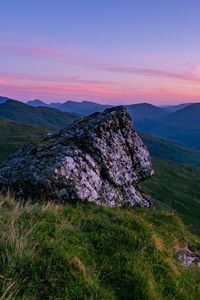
99	159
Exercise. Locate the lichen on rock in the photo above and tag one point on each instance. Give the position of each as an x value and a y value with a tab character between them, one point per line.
99	158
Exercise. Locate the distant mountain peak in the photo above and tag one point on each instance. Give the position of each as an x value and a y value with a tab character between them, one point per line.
36	102
174	108
3	99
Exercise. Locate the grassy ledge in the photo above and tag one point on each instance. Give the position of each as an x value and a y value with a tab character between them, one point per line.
54	251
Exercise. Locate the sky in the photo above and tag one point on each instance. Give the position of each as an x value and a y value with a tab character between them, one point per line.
108	51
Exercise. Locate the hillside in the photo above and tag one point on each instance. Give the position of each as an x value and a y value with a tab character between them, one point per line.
188	116
174	108
176	187
143	111
183	126
13	135
51	251
170	151
39	116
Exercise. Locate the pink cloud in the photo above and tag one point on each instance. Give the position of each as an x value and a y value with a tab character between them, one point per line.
70	56
50	86
35	79
31	51
153	72
27	84
61	92
189	74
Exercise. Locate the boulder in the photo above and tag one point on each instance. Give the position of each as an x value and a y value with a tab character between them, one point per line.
99	158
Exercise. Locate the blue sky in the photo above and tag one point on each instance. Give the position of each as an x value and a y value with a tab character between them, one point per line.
107	51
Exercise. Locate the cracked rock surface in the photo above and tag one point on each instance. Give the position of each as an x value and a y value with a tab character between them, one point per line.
99	158
189	258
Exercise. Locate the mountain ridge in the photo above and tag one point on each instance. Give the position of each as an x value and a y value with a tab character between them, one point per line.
42	116
181	126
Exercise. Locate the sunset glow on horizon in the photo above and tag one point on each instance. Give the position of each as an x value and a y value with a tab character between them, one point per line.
116	52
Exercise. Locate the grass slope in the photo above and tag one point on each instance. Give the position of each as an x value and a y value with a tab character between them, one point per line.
14	135
50	251
177	187
167	150
38	116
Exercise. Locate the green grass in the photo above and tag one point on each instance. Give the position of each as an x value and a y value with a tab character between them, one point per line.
14	135
51	251
178	188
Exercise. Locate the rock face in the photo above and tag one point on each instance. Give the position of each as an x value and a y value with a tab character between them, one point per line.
99	158
189	258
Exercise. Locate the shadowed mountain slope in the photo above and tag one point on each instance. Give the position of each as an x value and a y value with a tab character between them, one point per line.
170	151
39	116
183	126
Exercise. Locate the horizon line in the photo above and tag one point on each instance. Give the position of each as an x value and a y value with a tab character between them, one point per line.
96	102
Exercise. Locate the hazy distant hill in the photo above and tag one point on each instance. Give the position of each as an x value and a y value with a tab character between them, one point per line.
189	116
137	111
82	108
37	103
41	116
143	111
183	126
174	108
